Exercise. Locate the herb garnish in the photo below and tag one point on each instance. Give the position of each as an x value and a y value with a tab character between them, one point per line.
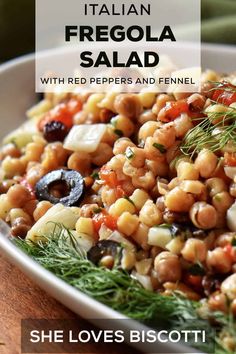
129	153
159	147
214	131
62	255
118	132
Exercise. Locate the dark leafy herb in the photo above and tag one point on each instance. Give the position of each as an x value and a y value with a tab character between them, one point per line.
197	269
95	175
115	288
128	198
159	147
118	132
129	153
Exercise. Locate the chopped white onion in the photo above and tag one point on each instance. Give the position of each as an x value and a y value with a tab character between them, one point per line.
230	171
159	236
144	280
46	224
231	217
85	137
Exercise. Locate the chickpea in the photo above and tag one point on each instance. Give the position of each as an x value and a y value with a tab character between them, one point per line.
193	187
147	116
20	227
140	236
123	124
54	156
143	179
182	125
172	153
108	101
92	105
203	215
108	195
233	309
6	184
33	151
5	206
181	288
224	239
121	145
109	136
30	207
206	163
187	171
228	287
219	260
81	162
232	189
148	129
127	186
222	201
18	195
34	174
41	209
160	203
215	185
129	170
196	102
217	108
128	105
103	154
87	210
135	156
10	150
150	215
161	101
13	167
16	213
159	167
153	149
178	200
218	302
194	250
165	135
168	267
147	98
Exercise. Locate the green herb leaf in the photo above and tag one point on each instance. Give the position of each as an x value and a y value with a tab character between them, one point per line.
129	153
97	210
160	147
197	269
118	132
95	175
233	243
62	255
128	198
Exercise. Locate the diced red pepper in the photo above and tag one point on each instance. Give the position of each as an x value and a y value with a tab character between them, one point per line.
63	113
194	280
109	177
230	158
30	188
230	252
173	109
227	96
104	218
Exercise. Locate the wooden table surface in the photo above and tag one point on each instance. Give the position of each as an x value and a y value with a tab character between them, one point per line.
21	298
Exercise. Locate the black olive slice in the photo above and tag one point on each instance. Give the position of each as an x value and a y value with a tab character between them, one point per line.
61	186
104	248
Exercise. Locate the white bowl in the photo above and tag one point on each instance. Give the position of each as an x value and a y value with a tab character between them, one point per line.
16	96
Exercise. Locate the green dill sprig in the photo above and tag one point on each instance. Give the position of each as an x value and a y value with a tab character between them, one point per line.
62	255
222	85
213	132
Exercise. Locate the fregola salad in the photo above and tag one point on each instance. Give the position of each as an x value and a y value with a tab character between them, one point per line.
131	199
